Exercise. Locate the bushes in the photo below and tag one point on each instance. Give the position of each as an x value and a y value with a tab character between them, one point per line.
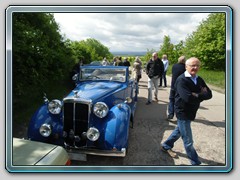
39	53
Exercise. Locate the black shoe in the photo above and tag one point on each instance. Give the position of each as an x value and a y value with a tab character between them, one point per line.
170	116
147	103
160	86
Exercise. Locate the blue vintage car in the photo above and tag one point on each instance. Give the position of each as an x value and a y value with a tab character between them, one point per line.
94	118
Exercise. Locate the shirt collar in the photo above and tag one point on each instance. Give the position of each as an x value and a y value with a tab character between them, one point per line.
194	79
186	73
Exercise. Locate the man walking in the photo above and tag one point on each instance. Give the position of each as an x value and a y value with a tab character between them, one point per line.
154	70
190	90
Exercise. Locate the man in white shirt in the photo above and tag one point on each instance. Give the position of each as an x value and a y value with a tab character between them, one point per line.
166	64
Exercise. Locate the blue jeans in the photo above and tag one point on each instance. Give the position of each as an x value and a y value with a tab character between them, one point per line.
184	131
171	102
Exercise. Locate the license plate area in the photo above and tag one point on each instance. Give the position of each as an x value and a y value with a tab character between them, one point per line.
77	156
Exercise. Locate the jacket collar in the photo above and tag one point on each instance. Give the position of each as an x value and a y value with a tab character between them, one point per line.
194	79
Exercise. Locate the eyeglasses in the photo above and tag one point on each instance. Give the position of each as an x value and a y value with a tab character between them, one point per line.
197	66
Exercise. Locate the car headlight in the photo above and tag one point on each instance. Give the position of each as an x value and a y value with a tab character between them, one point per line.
55	106
93	134
100	109
45	130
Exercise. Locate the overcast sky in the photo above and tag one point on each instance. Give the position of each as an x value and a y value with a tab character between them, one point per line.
129	31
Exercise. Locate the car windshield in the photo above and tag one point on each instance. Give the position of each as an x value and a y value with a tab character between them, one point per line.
110	74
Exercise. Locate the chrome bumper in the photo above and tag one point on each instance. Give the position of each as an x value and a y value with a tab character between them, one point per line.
81	151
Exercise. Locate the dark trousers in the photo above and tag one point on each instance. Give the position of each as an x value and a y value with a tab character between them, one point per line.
171	102
139	77
164	79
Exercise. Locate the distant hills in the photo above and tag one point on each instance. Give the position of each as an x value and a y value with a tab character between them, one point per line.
128	53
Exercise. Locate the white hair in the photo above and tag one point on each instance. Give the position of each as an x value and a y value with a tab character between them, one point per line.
191	59
181	59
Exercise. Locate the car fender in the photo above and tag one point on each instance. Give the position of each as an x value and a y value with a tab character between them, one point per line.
41	116
117	127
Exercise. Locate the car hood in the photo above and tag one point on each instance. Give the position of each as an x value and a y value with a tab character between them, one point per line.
26	152
29	152
94	90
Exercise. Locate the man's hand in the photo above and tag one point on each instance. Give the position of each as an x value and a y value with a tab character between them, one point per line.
195	94
203	90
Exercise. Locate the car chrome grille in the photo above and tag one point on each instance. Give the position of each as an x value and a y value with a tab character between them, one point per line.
75	123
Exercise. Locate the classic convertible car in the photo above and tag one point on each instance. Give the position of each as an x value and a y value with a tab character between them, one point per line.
94	118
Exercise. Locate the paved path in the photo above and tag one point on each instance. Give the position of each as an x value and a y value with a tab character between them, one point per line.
208	128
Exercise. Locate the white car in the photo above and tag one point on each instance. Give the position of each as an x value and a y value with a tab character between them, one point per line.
27	152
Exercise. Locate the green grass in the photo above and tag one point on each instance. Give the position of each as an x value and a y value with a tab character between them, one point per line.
215	78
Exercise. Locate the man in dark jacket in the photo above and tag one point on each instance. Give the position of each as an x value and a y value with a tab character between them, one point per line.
191	90
126	62
154	70
177	70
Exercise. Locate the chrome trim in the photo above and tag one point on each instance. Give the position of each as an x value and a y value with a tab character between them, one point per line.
96	131
44	127
98	152
103	103
74	118
78	100
75	101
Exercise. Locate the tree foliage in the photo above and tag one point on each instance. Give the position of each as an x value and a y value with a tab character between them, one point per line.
89	50
208	42
39	53
167	48
178	51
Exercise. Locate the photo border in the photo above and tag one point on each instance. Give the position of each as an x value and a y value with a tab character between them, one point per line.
120	9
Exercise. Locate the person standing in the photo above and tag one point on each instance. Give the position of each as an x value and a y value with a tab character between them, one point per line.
137	69
105	62
177	70
163	77
119	61
114	61
190	90
154	71
126	62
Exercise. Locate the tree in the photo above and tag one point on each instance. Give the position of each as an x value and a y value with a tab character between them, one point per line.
38	51
89	50
167	48
178	51
208	42
99	51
